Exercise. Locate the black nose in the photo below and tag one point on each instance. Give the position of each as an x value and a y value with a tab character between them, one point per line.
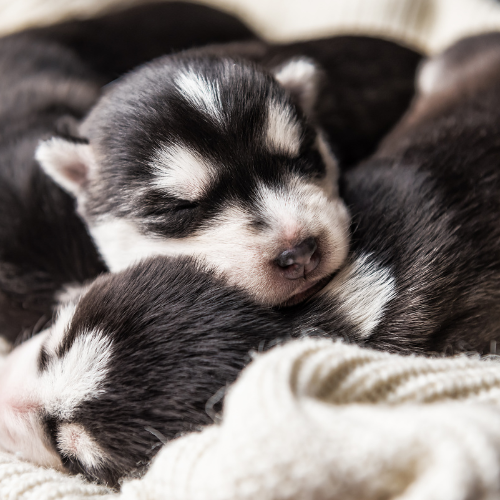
299	260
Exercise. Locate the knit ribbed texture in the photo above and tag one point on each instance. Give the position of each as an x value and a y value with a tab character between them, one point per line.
321	420
428	24
317	419
23	481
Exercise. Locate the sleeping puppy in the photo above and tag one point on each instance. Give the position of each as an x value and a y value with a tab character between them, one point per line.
207	154
142	356
424	270
49	79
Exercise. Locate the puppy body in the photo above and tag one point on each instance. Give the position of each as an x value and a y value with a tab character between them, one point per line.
424	270
150	346
134	362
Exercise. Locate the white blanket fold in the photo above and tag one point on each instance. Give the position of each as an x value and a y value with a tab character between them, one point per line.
324	420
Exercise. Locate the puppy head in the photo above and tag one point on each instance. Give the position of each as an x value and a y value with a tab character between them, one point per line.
210	157
133	363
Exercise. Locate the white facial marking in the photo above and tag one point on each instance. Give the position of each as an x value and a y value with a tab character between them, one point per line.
231	245
181	172
202	93
70	293
26	393
70	165
282	130
300	78
58	329
75	442
77	376
21	430
363	290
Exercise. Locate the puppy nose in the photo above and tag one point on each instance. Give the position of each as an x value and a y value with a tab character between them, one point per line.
300	260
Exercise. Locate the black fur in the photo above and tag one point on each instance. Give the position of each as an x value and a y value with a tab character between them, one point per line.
367	85
43	244
425	207
116	43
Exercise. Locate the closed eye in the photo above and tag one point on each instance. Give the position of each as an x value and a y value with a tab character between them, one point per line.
185	205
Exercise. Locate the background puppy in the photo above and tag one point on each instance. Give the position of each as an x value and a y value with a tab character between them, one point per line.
424	272
206	154
49	79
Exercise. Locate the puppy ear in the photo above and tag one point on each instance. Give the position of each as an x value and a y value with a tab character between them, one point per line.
300	77
69	164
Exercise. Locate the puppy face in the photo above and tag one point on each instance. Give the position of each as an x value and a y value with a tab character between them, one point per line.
210	157
132	363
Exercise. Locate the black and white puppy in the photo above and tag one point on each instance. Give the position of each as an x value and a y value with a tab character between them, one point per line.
207	154
49	79
138	359
201	155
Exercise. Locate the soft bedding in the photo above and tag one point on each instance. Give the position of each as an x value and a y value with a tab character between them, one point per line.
323	420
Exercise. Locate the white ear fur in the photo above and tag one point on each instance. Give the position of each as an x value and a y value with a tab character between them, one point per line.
300	77
69	164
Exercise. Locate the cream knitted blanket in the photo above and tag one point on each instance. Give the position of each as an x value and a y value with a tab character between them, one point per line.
317	419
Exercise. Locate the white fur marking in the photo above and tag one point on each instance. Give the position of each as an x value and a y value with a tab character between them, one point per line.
363	289
181	172
70	293
77	376
231	244
430	77
21	431
75	442
282	132
58	330
203	94
58	390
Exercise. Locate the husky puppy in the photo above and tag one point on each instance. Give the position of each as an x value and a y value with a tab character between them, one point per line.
43	246
49	79
207	154
132	363
424	270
